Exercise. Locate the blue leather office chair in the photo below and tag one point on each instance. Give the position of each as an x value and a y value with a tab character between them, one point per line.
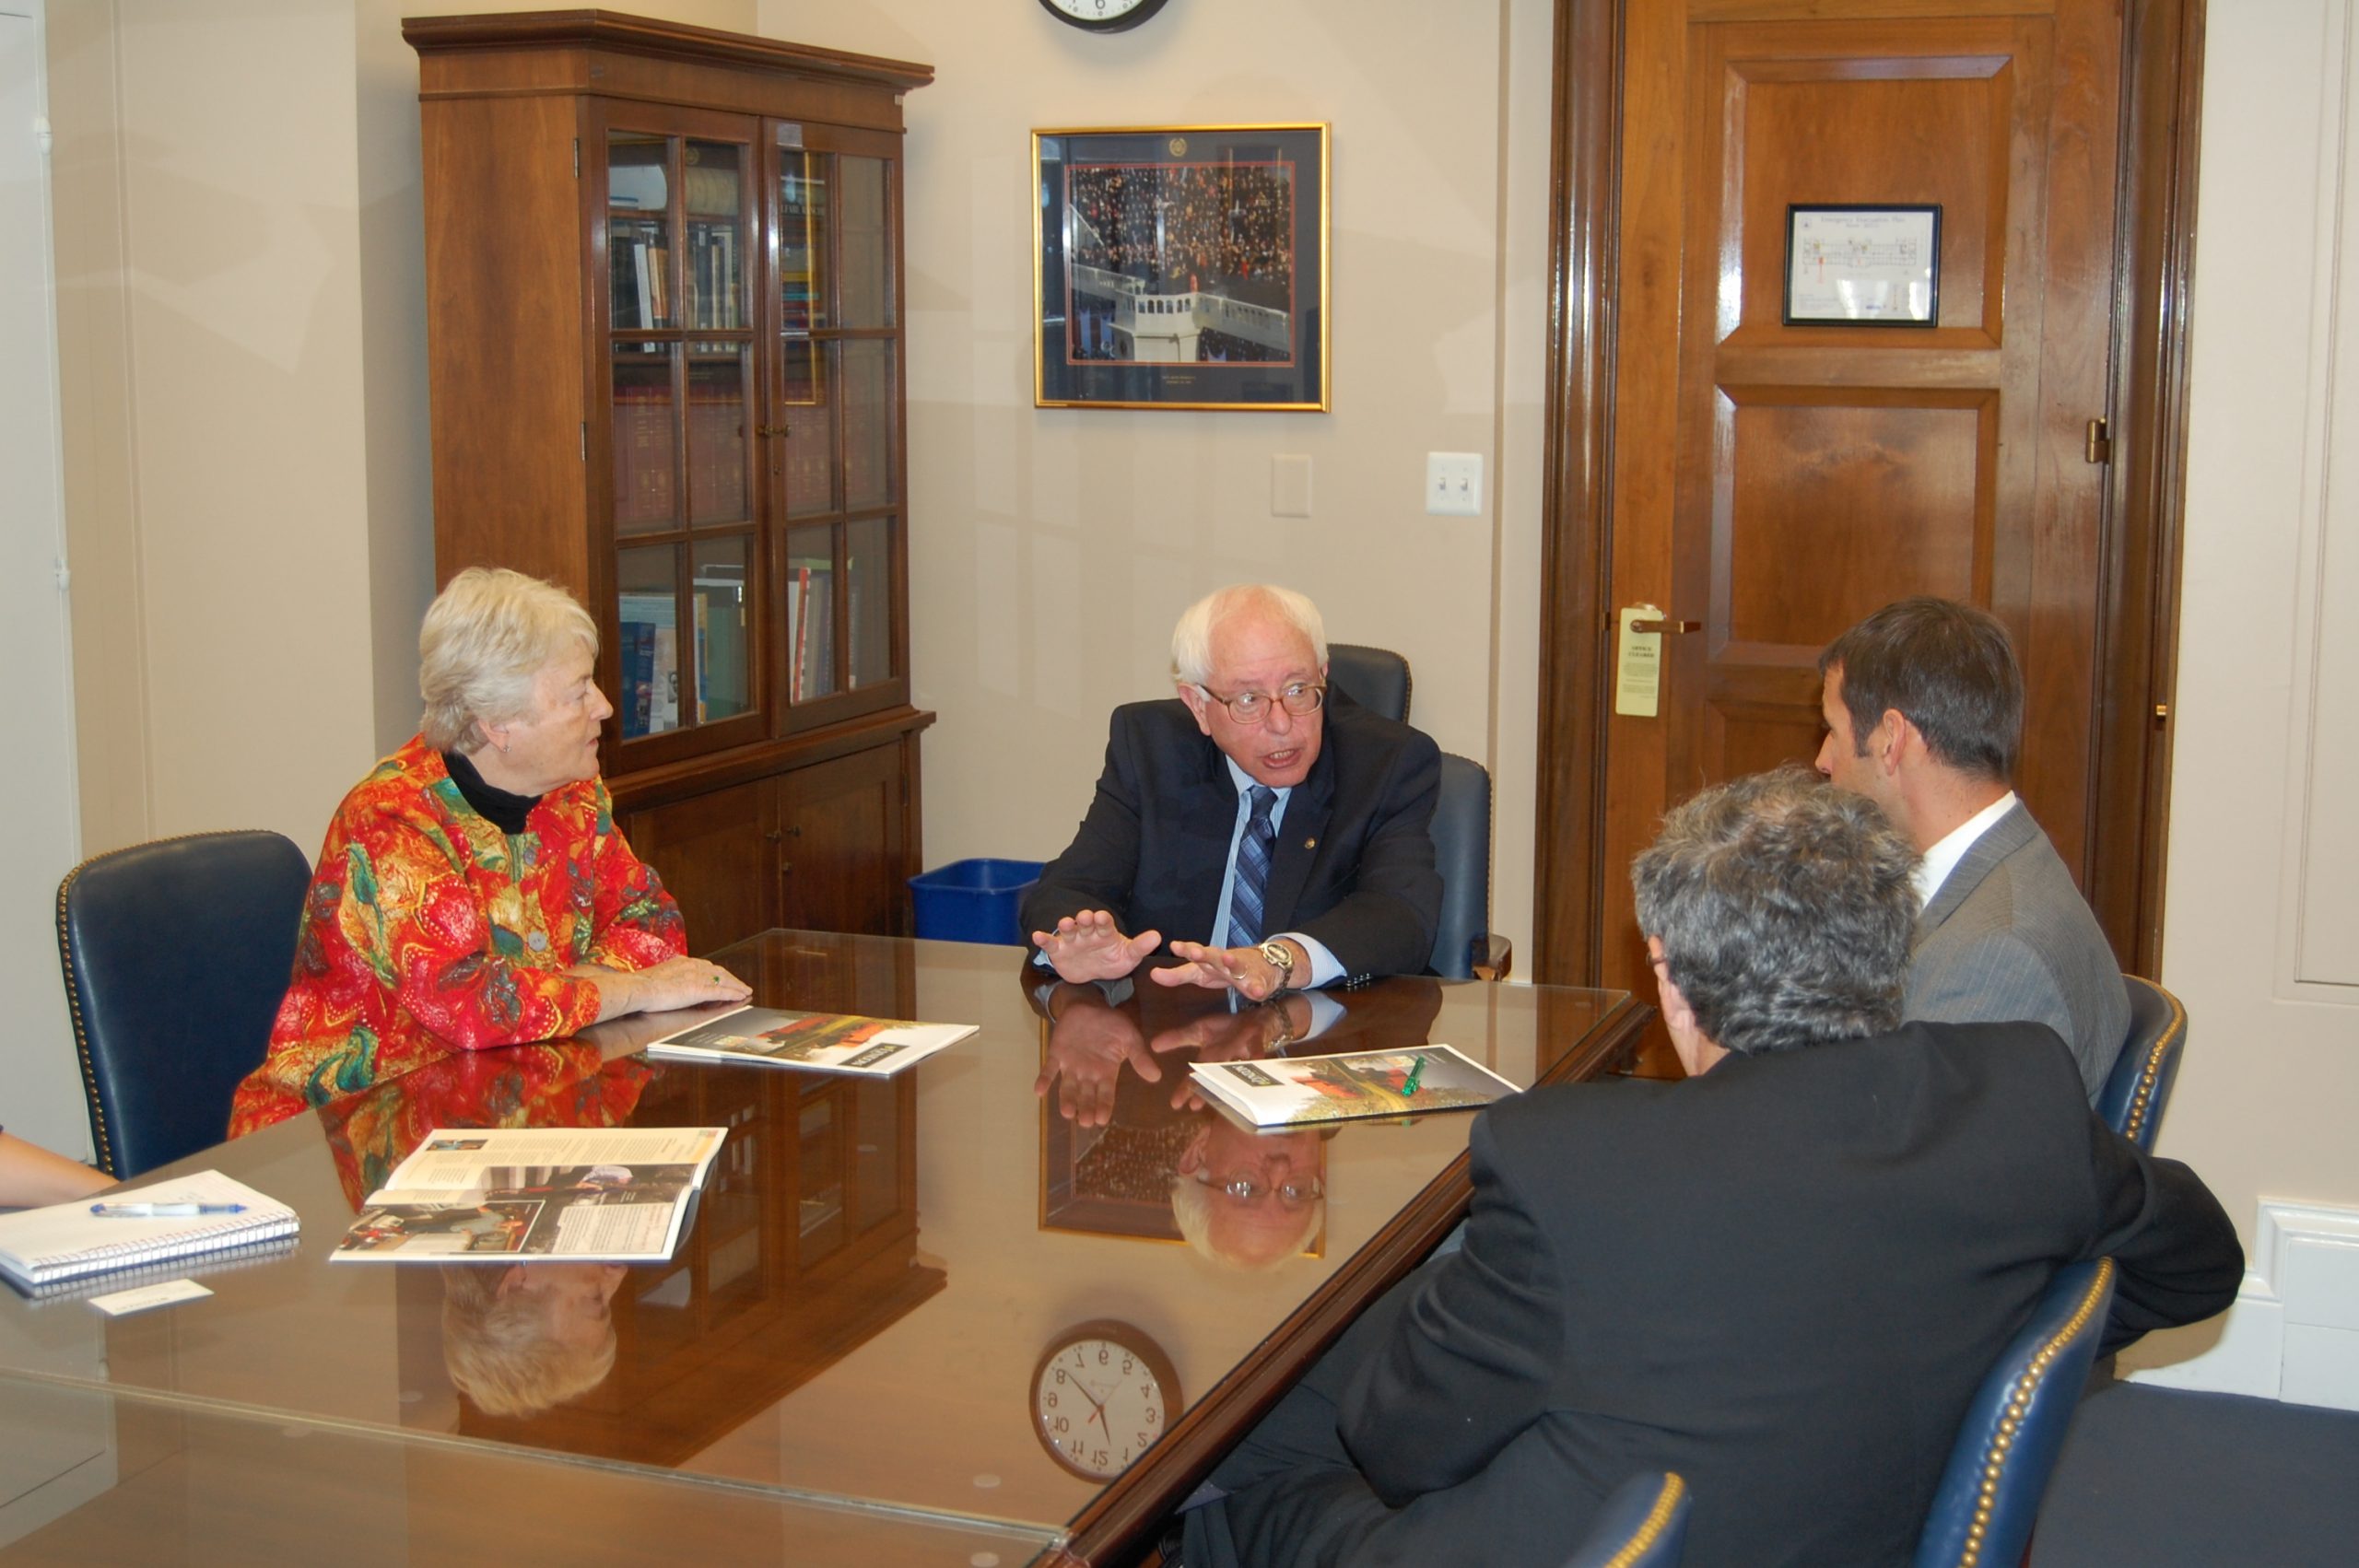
1643	1524
176	955
1376	678
2006	1448
2140	1085
1463	944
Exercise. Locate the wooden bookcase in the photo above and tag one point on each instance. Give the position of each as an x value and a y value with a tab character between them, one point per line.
664	313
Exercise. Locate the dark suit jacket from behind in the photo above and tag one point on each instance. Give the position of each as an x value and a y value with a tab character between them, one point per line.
1783	1280
1354	863
2009	936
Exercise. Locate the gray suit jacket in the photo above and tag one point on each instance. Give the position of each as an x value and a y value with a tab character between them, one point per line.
2009	937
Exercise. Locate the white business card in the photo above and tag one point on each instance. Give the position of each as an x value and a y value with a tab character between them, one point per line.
121	1304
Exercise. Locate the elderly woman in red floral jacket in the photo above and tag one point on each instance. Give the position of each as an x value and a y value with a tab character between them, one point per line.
473	890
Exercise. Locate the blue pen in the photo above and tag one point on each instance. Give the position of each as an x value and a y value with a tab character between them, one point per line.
161	1211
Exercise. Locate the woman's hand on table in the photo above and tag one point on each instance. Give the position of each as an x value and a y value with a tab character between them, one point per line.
676	982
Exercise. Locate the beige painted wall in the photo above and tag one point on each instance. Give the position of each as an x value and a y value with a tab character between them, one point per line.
2271	1084
240	299
1051	549
209	347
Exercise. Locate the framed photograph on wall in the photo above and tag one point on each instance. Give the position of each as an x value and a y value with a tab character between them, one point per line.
1181	267
1862	265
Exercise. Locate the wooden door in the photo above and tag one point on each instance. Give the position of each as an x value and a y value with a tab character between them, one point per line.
1773	484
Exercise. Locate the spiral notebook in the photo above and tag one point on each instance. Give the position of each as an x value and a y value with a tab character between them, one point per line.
39	1247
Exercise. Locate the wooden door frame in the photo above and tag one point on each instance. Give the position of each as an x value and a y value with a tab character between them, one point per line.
2139	567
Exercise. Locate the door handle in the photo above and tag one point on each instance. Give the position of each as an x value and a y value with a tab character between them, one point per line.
1637	658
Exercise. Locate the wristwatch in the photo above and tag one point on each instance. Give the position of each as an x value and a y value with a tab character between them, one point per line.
1276	1006
1279	956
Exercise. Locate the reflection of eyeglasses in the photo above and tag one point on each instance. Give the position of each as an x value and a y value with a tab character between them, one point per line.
1245	1189
1253	708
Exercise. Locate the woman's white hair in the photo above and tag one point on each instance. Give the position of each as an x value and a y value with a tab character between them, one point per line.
486	637
1191	639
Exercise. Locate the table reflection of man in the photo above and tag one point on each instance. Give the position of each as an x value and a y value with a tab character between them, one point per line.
1120	1073
521	1340
1250	1199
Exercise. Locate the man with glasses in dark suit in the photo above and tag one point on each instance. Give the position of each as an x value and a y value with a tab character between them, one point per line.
1265	831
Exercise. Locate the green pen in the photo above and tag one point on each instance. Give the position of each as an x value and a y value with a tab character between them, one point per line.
1409	1084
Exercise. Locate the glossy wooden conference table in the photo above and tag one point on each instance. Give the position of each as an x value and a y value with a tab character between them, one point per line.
840	1362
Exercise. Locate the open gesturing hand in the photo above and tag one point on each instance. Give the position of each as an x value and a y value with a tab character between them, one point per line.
1087	1045
1240	969
1090	946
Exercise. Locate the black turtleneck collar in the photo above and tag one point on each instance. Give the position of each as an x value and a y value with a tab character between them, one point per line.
507	811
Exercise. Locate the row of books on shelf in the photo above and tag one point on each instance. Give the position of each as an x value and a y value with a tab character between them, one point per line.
652	662
640	265
650	696
713	295
646	437
811	630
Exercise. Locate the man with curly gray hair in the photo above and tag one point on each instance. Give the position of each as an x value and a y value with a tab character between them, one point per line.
1782	1277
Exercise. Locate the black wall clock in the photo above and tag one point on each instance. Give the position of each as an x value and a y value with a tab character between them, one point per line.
1102	16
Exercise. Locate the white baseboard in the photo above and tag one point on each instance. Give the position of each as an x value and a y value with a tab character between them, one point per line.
2293	1331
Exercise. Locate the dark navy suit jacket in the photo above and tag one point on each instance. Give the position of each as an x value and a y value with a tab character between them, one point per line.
1354	864
1783	1280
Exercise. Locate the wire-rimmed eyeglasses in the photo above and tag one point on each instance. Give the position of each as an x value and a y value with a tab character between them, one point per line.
1290	1194
1253	708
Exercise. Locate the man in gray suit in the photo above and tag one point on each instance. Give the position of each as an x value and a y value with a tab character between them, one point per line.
1924	708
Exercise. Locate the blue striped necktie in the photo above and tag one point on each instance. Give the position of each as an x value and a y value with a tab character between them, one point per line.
1253	870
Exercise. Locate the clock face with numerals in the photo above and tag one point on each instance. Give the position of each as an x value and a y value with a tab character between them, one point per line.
1103	16
1102	1393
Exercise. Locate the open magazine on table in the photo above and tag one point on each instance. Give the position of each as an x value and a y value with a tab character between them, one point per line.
605	1195
832	1042
1307	1091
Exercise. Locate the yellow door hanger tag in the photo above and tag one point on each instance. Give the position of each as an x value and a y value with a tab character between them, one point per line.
1638	663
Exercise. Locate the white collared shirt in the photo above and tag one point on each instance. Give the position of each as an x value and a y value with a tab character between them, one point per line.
1943	857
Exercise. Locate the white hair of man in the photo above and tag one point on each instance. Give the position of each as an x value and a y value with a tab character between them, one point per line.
487	636
1191	1211
1191	639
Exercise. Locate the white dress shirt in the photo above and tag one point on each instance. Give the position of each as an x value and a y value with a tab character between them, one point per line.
1943	857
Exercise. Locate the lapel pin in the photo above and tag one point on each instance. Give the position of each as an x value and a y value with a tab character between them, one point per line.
1310	843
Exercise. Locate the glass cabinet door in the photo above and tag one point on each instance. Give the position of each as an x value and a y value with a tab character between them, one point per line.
837	398
681	356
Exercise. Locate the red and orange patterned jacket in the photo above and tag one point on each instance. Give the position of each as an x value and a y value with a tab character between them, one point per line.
563	1083
427	931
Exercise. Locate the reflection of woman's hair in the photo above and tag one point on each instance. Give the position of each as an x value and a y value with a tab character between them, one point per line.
1191	1207
500	1351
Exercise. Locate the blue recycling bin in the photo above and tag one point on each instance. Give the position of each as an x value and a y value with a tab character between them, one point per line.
973	900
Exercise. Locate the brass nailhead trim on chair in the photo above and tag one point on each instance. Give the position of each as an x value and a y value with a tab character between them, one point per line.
105	1150
2003	1442
2142	1104
1658	1520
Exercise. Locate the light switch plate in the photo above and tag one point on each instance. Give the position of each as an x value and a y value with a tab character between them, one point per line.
1454	483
